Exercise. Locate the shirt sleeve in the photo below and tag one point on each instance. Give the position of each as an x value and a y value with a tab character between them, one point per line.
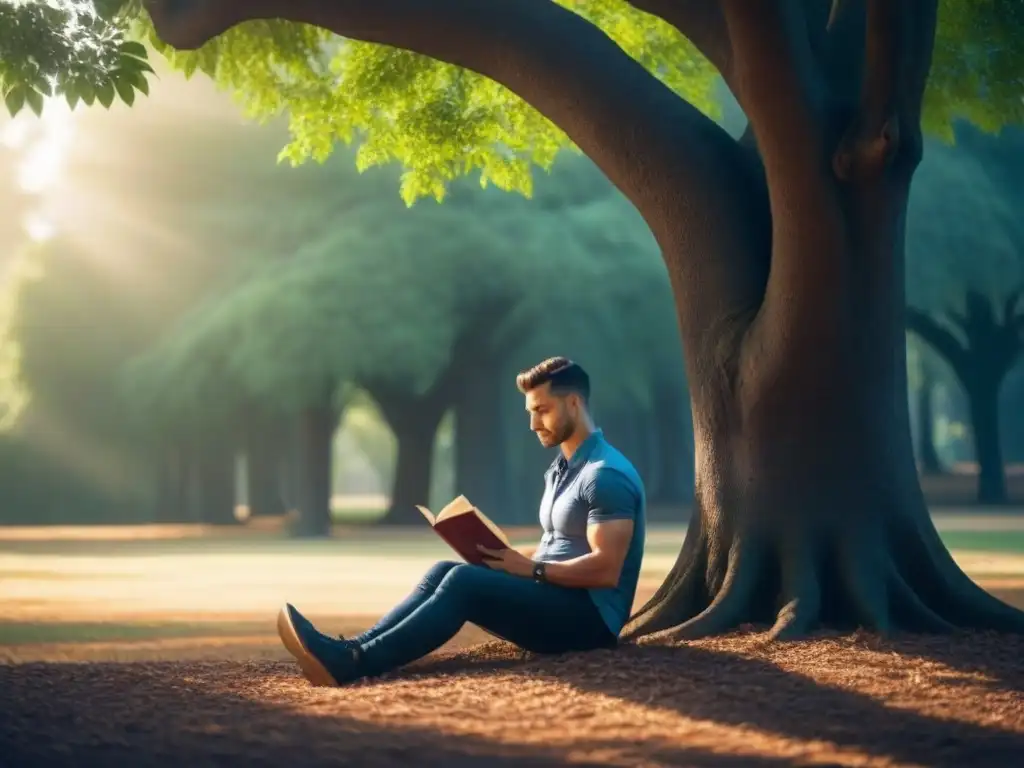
610	495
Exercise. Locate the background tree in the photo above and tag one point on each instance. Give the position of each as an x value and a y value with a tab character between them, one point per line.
966	260
786	260
351	307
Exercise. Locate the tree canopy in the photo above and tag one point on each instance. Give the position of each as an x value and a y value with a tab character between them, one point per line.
374	296
439	121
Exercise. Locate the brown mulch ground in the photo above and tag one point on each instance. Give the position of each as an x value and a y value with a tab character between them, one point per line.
843	700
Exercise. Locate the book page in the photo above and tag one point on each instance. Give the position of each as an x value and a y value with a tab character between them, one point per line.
492	526
427	514
458	506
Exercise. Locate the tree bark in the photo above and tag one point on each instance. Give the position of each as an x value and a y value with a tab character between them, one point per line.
983	400
316	428
927	455
481	461
787	267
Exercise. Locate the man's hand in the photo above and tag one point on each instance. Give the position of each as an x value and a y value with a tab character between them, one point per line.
507	560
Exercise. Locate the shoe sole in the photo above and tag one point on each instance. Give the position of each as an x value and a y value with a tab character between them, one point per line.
312	669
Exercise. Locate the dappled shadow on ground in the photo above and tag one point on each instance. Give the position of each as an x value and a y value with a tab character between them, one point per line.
171	714
926	700
845	700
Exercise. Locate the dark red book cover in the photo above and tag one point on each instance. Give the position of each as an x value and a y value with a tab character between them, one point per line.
464	532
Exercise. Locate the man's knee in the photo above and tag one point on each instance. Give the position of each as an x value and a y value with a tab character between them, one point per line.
438	571
461	582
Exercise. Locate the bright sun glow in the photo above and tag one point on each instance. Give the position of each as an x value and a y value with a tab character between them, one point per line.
42	145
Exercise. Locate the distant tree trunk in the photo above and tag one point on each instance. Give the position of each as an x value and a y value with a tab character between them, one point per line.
213	487
927	455
990	343
317	425
674	452
172	479
481	452
415	434
1012	405
414	422
983	400
264	492
264	453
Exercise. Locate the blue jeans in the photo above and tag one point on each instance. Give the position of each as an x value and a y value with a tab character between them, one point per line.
543	618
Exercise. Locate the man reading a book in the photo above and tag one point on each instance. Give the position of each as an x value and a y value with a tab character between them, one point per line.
574	594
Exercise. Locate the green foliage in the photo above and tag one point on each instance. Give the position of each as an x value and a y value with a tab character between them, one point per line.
438	121
381	294
964	231
977	67
78	49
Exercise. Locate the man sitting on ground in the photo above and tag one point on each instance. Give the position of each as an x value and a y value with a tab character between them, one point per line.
576	592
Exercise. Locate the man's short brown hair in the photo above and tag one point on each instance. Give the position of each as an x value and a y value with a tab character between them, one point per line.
564	375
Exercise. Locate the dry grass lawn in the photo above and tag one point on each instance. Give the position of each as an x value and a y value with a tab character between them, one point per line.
94	673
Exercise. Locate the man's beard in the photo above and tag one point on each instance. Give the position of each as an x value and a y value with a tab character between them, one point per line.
563	433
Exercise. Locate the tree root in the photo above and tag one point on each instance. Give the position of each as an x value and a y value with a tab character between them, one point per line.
897	578
802	593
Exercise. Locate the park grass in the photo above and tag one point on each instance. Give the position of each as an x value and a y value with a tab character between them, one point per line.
163	652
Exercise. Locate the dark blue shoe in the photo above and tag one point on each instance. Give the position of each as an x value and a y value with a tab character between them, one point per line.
324	661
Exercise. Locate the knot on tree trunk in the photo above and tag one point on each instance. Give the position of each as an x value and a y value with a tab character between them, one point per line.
866	151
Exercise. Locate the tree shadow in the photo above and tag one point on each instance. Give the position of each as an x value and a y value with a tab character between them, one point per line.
737	690
172	714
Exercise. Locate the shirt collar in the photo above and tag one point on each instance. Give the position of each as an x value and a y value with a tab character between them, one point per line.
580	455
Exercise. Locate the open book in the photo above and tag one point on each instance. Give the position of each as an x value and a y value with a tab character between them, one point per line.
463	527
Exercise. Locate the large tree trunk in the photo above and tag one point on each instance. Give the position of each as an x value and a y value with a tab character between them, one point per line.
316	429
481	461
927	455
809	509
983	399
786	262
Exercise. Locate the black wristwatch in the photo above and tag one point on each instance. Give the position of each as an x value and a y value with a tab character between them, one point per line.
540	572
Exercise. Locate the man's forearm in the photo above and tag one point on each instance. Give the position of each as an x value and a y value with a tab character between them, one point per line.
590	571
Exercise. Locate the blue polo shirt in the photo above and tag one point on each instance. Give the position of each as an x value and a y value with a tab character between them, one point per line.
596	485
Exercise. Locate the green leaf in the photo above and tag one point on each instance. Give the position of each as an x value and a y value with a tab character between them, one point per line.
72	95
124	88
108	9
86	92
135	49
105	94
35	100
15	99
138	80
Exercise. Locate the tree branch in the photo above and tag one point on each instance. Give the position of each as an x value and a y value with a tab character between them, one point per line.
695	186
938	338
777	80
899	36
641	134
699	21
